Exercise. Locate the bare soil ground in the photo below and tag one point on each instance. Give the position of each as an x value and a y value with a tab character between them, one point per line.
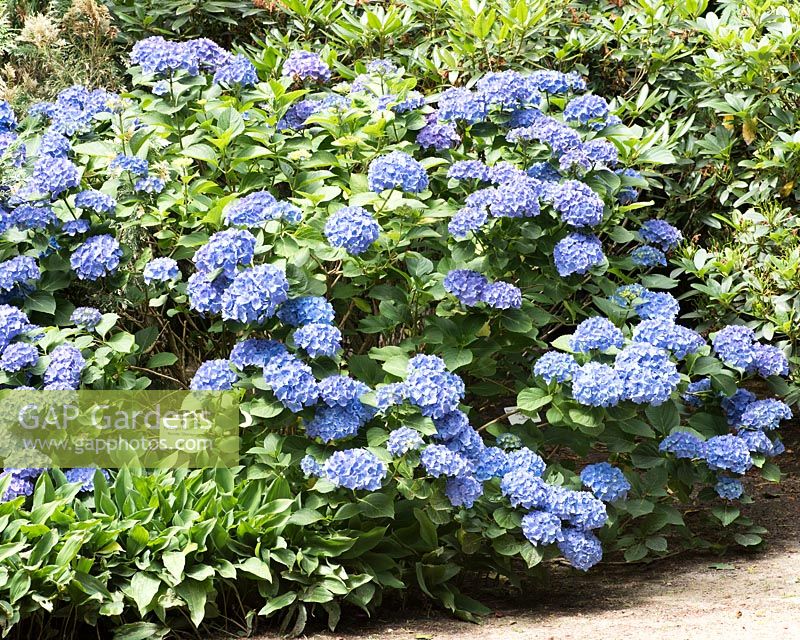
752	596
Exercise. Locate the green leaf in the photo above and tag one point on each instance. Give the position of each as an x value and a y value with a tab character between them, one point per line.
144	587
194	594
256	567
277	603
725	514
163	359
747	539
638	508
140	631
636	552
122	342
531	400
771	471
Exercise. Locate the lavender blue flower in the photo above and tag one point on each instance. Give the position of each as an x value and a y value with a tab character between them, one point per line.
18	356
149	184
555	366
525	489
254	352
579	508
435	391
438	134
54	175
596	333
683	444
463	491
305	310
310	467
318	339
525	460
466	285
96	201
665	334
403	440
98	256
660	233
729	488
578	205
765	415
468	170
355	469
734	405
32	216
577	253
132	164
18	270
161	270
352	228
695	391
225	250
465	220
541	528
768	361
491	462
582	549
734	345
305	65
605	481
254	294
502	295
596	385
647	256
239	71
648	375
585	109
438	461
462	105
516	198
65	368
396	170
214	375
292	381
729	453
84	475
205	295
86	317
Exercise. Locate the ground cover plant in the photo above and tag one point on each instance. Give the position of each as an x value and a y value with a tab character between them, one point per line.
445	313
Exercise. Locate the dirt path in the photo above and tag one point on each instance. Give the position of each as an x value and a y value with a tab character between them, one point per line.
754	596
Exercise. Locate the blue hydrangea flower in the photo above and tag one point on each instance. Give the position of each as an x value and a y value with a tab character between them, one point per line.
32	216
765	415
341	390
523	459
729	488
132	164
648	375
508	441
413	100
759	442
352	228
541	528
73	228
403	440
253	210
556	82
65	368
555	366
734	345
585	109
318	339
16	271
18	356
491	462
13	323
355	469
310	467
255	353
205	295
543	171
525	489
516	198
84	475
158	57
331	423
596	385
292	381
390	395
98	256
768	361
465	220
502	295
54	175
683	444
735	405
695	391
577	204
438	134
255	294
305	310
463	491
628	194
556	135
149	184
665	334
435	392
647	256
660	233
466	285
468	170
305	65
19	485
580	508
161	270
596	333
605	481
8	120
96	201
239	71
86	317
214	375
505	172
438	460
462	105
396	170
226	250
582	549
160	88
728	453
656	305
577	253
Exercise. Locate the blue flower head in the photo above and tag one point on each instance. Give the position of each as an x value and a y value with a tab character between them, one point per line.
239	71
596	334
683	444
729	488
355	469
541	528
292	381
161	270
596	385
648	375
18	356
555	366
305	65
466	285
605	481
438	460
502	295
352	228
463	491
582	549
254	294
577	253
397	170
65	368
577	204
728	453
214	375
765	415
86	317
226	250
660	233
665	334
305	310
647	256
318	339
17	271
403	440
98	256
254	352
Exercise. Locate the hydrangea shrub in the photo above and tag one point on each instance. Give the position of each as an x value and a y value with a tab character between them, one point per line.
443	315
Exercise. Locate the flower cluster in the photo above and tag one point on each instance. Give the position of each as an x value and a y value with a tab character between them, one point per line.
397	170
352	228
736	345
470	287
